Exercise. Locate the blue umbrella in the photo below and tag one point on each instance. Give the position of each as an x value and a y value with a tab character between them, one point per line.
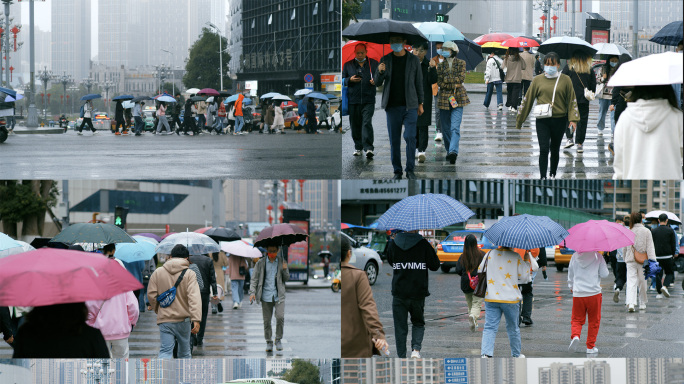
470	52
167	99
316	95
231	99
435	31
427	211
9	99
130	252
7	242
526	232
8	91
91	97
670	34
247	101
123	97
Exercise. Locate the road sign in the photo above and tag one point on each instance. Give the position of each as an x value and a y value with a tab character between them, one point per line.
308	78
455	370
308	86
441	18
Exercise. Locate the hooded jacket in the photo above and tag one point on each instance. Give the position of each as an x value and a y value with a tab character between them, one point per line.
188	302
115	316
649	127
585	272
410	255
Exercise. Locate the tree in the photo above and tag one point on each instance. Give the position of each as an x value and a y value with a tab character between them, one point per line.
303	372
26	202
169	88
350	8
201	68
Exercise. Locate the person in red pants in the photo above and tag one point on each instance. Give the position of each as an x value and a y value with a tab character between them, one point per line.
584	279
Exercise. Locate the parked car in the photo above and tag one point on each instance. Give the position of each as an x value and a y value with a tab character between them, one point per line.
101	121
291	119
365	258
679	261
451	248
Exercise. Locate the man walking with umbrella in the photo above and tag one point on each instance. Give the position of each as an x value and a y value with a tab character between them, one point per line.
137	116
268	287
357	75
402	99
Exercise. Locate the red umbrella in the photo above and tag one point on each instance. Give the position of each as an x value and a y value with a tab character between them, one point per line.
495	37
164	236
520	42
208	92
280	234
286	104
202	230
345	226
50	276
373	50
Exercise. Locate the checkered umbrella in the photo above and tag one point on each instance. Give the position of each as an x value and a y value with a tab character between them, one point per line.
427	211
526	232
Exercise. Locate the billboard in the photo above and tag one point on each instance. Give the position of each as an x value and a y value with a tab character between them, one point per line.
599	36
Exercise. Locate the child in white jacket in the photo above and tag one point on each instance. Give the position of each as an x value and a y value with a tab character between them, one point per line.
584	279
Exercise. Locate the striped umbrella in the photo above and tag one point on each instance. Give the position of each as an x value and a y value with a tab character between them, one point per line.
526	232
426	211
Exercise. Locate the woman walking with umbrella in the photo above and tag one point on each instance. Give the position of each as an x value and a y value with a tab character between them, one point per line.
87	117
467	267
554	91
605	95
579	70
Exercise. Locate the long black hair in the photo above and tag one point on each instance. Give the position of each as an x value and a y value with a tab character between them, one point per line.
65	319
472	255
345	247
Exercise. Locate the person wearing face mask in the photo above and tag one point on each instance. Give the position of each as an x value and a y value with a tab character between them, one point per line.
402	100
268	288
452	98
435	90
357	75
605	96
514	66
557	87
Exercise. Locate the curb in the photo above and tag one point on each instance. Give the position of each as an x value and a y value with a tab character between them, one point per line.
34	131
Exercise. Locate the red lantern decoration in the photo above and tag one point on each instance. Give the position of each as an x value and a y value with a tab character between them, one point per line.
285	189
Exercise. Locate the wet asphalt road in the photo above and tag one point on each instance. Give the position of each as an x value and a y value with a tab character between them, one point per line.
490	148
105	156
312	329
653	333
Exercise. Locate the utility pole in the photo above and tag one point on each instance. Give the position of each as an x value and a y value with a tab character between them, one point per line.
32	120
5	43
572	27
635	16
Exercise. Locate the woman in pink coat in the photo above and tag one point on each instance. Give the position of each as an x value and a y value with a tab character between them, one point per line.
114	318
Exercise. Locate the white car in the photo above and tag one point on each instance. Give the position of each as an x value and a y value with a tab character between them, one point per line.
364	258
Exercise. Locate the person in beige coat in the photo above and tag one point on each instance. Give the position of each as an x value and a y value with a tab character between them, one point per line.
174	321
514	66
220	260
528	73
643	242
361	327
237	264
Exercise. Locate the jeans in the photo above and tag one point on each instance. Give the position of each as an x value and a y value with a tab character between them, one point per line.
438	124
493	313
400	311
452	128
513	96
490	89
550	135
236	288
667	268
169	334
603	109
139	124
396	117
267	309
361	121
636	284
199	338
220	124
239	123
201	121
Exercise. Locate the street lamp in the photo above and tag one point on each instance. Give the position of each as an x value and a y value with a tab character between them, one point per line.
107	85
74	90
65	79
97	371
220	35
546	6
173	73
45	76
89	82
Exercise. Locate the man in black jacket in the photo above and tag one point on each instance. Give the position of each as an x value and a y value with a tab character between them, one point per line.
428	67
665	242
206	267
410	255
357	75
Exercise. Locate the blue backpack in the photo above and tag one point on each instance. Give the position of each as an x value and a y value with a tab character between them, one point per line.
82	111
167	297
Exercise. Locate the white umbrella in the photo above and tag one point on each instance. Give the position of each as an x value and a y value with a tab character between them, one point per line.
145	238
611	49
302	92
23	247
210	100
240	248
281	97
659	69
128	104
197	243
670	216
191	91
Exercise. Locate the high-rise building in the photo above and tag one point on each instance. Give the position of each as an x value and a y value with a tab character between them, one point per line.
642	195
274	367
646	370
71	36
591	372
246	368
199	371
392	371
234	36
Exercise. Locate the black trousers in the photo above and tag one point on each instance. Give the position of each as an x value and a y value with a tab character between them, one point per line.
550	135
190	125
581	126
401	308
668	266
87	121
120	123
361	121
173	121
525	86
513	94
421	138
621	275
203	323
527	297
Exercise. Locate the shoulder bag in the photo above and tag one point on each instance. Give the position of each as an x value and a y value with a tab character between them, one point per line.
543	111
589	95
502	75
481	289
639	257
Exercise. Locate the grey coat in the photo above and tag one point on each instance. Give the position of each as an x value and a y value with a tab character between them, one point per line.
413	80
257	280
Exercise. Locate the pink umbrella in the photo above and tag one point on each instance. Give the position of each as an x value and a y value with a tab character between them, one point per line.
496	37
202	230
208	92
598	235
280	234
50	276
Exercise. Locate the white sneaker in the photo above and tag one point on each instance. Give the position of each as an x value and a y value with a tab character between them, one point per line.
665	292
579	148
500	107
616	295
95	133
235	305
421	157
438	136
473	322
520	356
651	288
593	350
659	296
486	357
569	143
630	308
79	133
600	133
369	154
574	344
415	354
357	152
642	307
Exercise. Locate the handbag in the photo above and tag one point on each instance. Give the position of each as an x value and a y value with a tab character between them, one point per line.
543	111
589	95
639	257
502	75
481	289
242	271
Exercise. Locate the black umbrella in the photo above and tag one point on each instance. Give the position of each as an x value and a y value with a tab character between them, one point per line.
40	242
224	94
282	234
222	234
670	34
198	98
141	98
379	31
470	52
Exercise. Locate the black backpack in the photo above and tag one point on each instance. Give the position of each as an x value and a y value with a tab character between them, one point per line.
502	75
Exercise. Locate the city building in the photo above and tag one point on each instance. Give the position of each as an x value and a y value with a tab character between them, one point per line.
154	371
284	41
10	372
625	196
142	80
392	371
496	371
234	36
245	368
275	367
199	371
645	370
591	372
71	35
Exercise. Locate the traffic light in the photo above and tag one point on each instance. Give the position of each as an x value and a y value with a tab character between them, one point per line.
441	18
120	214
